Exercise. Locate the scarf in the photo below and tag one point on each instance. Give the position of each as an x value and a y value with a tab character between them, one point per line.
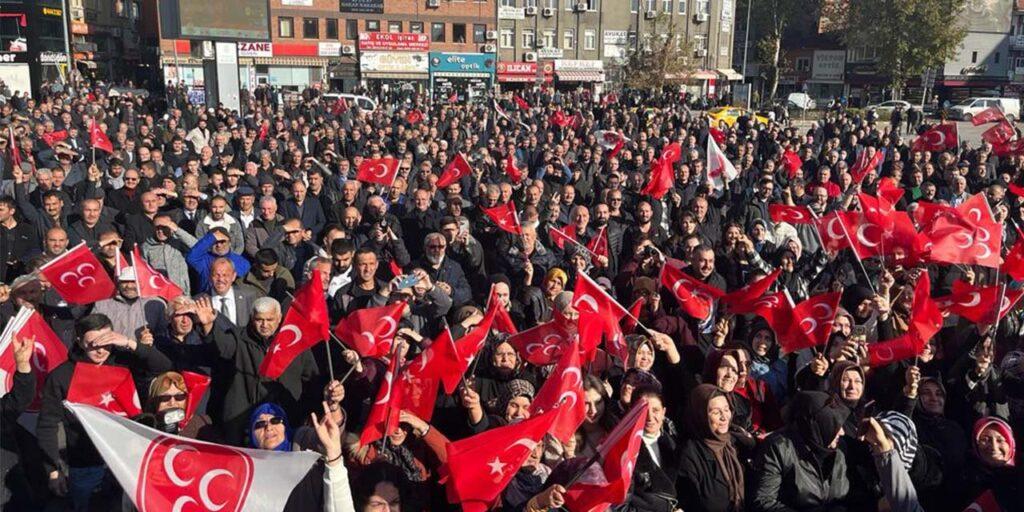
721	445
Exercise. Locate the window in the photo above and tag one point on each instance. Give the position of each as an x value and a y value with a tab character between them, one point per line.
459	32
530	3
589	39
974	57
682	7
703	7
569	39
416	27
437	32
666	6
479	33
332	28
996	61
373	25
550	39
507	38
802	64
634	5
351	29
508	3
650	6
285	27
394	26
552	4
700	42
529	39
310	28
593	5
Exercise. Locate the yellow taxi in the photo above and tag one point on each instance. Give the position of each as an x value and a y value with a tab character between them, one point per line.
729	115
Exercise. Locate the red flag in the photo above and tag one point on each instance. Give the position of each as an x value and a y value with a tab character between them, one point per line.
834	229
454	97
470	344
560	236
1013	266
110	388
197	385
986	502
611	141
790	214
414	116
925	322
12	146
671	153
942	137
989	115
540	345
383	418
863	165
589	296
563	390
599	314
999	134
607	485
1015	189
629	321
395	269
520	102
54	137
790	160
719	168
513	172
419	395
598	246
454	171
48	351
697	305
479	467
812	323
378	170
957	242
505	217
305	324
979	304
752	291
661	179
502	320
78	276
370	331
264	130
716	134
340	107
150	281
439	360
98	139
560	119
1014	147
776	308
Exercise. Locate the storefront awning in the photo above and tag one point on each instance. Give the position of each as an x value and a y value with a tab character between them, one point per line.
395	76
581	76
308	62
730	74
448	74
88	64
703	74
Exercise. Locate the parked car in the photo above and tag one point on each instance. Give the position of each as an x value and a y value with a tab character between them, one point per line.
888	106
362	102
967	109
801	100
729	115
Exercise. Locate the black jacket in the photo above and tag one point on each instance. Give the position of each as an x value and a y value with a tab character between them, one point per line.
653	487
16	489
701	484
786	477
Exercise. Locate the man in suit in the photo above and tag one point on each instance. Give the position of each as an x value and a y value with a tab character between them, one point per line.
309	212
233	301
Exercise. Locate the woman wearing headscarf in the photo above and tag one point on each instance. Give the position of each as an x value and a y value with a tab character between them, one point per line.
798	269
859	301
766	367
993	465
803	466
710	474
893	441
722	368
513	405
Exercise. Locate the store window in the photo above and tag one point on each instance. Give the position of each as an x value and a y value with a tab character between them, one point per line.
285	27
310	28
437	32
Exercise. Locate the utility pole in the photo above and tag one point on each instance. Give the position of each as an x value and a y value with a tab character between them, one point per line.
67	40
746	45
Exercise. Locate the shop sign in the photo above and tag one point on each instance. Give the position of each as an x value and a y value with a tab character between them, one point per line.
298	3
328	49
363	6
400	41
256	49
549	53
616	37
470	63
517	68
52	58
579	65
50	11
388	62
828	65
511	13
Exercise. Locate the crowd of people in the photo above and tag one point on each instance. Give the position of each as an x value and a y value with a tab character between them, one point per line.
241	210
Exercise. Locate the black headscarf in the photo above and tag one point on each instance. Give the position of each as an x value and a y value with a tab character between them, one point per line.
818	416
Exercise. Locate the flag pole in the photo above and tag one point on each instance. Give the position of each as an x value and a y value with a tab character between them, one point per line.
583	469
330	362
856	256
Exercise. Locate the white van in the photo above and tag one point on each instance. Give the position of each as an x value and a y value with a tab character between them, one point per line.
967	109
362	102
801	100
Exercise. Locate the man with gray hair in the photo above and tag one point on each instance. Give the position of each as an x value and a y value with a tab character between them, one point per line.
266	225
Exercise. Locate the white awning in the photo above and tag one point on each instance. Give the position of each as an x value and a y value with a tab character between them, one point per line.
730	74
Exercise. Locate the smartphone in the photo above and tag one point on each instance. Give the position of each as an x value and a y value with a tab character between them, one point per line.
859	331
407	281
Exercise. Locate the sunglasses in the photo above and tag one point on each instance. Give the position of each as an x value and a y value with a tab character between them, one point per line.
180	397
262	424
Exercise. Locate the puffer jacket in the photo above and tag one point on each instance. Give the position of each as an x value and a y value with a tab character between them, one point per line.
786	476
169	257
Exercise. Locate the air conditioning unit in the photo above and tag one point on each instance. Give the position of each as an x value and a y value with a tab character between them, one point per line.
548	12
580	7
530	57
433	3
650	15
531	10
491	35
700	17
77	13
490	48
701	52
348	50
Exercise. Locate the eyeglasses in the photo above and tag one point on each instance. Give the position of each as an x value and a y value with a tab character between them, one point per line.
180	397
131	179
262	424
435	246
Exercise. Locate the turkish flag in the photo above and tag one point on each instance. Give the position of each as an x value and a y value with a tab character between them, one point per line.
111	388
560	236
502	320
560	119
78	276
150	281
541	345
370	331
986	502
419	395
942	137
716	134
470	344
661	179
454	171
1015	189
165	472
383	418
671	153
720	169
197	385
834	229
812	323
48	351
438	360
999	134
305	324
563	390
976	209
611	141
513	172
589	296
505	217
864	164
979	304
382	171
340	106
1013	266
955	241
776	308
683	286
790	160
752	291
1013	147
264	130
790	214
607	485
54	137
629	321
598	246
414	116
520	102
926	213
480	466
98	139
989	115
925	321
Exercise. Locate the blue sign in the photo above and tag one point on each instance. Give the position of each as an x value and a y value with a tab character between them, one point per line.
477	64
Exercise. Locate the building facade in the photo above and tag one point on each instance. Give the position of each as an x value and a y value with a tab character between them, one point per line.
105	37
32	43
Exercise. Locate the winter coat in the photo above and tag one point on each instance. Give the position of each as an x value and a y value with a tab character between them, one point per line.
169	257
